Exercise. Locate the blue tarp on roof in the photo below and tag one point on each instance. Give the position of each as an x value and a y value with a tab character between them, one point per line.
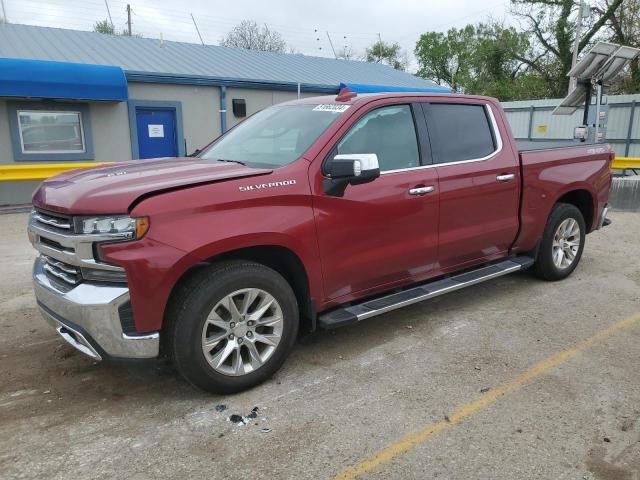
362	88
61	80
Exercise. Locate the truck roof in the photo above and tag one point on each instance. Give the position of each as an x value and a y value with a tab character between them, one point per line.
363	98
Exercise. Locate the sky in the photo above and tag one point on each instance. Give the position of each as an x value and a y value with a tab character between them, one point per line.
303	25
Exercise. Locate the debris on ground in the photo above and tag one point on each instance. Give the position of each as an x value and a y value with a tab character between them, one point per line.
237	419
243	420
221	408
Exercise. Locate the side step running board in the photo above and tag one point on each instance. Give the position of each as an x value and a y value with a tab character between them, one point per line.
370	308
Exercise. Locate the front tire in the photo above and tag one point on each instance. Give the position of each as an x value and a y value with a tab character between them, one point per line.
231	326
562	243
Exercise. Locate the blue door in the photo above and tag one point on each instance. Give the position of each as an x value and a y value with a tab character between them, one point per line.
157	135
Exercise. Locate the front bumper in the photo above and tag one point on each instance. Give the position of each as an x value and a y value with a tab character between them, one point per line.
87	317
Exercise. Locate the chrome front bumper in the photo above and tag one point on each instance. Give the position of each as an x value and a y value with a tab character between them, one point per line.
87	317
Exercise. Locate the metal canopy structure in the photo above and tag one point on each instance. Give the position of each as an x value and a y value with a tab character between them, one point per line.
602	63
24	78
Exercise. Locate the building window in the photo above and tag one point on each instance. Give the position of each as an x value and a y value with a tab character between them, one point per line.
47	131
50	131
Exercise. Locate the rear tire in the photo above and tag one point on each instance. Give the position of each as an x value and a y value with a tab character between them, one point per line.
562	243
231	326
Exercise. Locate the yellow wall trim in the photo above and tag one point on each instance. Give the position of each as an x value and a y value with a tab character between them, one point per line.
39	171
620	163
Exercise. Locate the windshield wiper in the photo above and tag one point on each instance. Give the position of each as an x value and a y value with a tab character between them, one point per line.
231	161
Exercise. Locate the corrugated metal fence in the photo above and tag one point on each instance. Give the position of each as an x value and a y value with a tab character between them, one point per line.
532	120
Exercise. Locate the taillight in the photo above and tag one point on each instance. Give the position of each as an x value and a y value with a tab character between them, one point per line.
612	156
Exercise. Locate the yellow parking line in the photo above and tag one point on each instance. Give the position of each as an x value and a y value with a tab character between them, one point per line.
417	437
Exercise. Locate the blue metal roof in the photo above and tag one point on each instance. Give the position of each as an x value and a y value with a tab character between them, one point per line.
145	59
61	80
360	88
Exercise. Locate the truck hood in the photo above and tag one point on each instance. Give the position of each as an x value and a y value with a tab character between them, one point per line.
113	188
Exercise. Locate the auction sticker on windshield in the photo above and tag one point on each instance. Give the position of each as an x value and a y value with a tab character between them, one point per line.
330	107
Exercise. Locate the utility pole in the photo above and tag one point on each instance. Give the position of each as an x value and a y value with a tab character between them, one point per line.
197	29
576	43
4	18
331	43
128	19
106	4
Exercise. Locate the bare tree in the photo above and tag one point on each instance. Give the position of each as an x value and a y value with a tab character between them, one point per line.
347	53
248	34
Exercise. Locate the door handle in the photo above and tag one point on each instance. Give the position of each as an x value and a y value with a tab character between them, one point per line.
506	177
421	190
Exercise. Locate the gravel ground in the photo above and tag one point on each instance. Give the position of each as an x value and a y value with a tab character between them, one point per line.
343	395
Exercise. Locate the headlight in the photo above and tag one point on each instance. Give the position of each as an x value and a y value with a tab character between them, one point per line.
135	227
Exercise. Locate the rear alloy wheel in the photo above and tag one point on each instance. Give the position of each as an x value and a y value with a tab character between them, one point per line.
231	326
242	331
562	243
566	243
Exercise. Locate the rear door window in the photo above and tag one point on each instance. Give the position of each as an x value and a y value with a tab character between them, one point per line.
459	132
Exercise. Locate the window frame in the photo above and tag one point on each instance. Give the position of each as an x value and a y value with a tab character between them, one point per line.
19	155
419	126
493	128
49	152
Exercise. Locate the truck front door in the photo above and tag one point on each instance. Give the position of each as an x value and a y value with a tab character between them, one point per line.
383	233
479	182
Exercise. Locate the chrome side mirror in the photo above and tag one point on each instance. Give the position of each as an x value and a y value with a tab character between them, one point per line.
353	168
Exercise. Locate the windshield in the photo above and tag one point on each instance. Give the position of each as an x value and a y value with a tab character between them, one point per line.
276	136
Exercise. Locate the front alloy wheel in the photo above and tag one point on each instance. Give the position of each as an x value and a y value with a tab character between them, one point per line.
242	331
230	326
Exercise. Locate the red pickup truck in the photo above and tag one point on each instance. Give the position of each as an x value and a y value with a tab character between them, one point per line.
319	212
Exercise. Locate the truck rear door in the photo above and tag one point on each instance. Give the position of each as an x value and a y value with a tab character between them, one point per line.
479	179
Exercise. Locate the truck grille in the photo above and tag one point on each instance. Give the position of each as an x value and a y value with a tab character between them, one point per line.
59	271
58	222
68	258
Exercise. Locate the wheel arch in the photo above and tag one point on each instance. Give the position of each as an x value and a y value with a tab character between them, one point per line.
280	258
584	200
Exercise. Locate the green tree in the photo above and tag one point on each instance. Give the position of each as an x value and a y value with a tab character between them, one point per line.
551	23
104	26
388	53
479	60
446	58
625	29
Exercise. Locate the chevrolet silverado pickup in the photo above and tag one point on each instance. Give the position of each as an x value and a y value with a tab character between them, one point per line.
315	213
